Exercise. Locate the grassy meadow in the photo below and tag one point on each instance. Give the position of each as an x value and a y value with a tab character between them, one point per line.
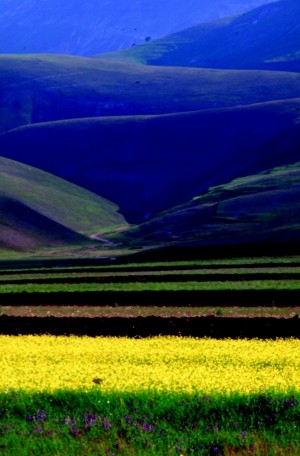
57	199
153	396
38	210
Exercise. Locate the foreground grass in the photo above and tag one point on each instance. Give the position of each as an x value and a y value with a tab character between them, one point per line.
148	423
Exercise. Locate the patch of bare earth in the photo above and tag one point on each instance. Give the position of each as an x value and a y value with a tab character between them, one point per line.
140	311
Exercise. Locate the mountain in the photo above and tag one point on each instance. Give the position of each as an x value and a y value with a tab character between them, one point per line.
266	38
258	209
38	210
41	88
155	135
93	27
146	164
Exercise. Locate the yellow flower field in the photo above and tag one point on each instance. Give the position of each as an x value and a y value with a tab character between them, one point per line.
39	363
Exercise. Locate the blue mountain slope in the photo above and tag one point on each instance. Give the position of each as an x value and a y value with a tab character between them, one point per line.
146	164
267	37
93	27
41	88
260	209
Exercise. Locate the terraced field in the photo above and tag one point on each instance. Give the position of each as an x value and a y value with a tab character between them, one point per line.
233	298
133	394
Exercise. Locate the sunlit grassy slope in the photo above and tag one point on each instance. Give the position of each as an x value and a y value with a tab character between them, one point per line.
264	38
38	209
262	208
149	164
39	88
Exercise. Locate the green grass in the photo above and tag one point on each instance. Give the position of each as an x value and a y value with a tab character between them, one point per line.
149	423
278	177
57	199
151	286
150	275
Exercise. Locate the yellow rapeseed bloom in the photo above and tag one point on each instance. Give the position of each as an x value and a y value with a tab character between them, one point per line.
39	363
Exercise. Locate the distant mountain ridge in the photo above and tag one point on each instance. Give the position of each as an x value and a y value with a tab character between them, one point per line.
266	38
93	27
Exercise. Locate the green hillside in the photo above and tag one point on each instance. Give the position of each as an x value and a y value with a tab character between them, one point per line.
146	164
262	208
267	37
42	88
38	209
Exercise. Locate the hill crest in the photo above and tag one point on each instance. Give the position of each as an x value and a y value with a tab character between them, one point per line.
265	38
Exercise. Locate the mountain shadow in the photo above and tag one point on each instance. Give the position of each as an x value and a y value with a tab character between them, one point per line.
258	210
148	164
22	228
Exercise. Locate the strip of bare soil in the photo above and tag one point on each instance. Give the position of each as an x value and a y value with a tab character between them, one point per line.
178	298
141	311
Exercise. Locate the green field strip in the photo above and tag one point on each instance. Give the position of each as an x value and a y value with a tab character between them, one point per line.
256	285
159	277
147	272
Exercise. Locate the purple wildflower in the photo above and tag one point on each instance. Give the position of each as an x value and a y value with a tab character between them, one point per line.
290	402
74	432
89	418
40	415
106	423
71	422
148	427
215	450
